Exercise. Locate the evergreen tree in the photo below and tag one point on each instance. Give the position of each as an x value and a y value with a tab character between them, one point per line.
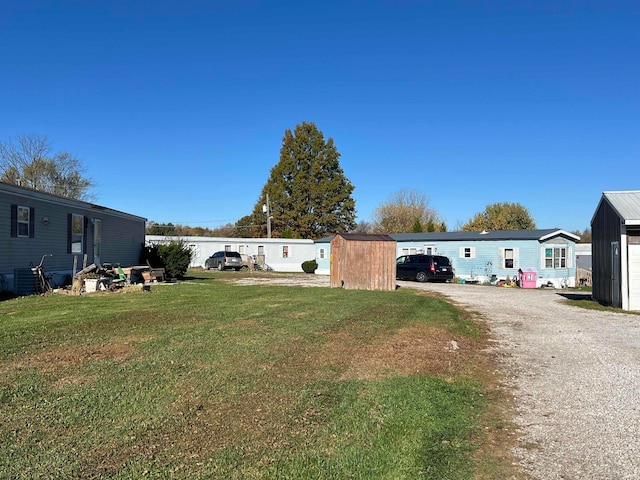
309	195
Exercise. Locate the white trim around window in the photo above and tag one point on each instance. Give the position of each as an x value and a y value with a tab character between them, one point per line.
467	252
555	257
23	221
509	258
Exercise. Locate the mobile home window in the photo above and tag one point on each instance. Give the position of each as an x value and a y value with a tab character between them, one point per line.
24	218
285	251
22	221
555	257
508	258
77	233
467	252
227	248
322	253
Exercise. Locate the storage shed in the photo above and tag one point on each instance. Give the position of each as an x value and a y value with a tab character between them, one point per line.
615	236
363	262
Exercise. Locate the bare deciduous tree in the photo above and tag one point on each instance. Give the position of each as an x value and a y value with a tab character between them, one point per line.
28	162
406	211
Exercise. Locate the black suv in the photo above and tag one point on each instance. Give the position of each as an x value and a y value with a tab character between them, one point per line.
423	268
223	260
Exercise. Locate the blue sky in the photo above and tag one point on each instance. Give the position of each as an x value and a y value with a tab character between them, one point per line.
178	108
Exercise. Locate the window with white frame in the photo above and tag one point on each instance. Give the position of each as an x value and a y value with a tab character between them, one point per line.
242	249
508	258
409	251
227	248
467	252
322	253
429	250
24	219
260	249
555	257
285	251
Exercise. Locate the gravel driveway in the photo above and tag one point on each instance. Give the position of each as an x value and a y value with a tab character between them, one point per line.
575	374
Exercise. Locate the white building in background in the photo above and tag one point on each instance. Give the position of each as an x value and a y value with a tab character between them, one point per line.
583	255
281	254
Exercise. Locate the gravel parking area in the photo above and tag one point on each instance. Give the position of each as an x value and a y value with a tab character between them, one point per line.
575	374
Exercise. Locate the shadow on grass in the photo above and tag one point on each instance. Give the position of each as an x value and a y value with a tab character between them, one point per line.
585	300
577	296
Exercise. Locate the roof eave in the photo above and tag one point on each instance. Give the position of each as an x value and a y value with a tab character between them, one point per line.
557	233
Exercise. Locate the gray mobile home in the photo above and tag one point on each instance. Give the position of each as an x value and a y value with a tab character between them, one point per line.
33	224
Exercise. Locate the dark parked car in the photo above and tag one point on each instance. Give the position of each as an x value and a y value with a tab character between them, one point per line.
423	268
224	260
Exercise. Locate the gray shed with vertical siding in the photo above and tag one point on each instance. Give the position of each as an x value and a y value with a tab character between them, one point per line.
615	244
33	224
363	262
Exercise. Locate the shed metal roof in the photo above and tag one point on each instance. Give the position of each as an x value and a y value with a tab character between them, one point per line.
626	204
366	237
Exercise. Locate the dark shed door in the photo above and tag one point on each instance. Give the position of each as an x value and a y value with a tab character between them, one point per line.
615	275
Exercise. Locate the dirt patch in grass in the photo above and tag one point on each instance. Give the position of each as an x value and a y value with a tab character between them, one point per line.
78	355
58	360
414	350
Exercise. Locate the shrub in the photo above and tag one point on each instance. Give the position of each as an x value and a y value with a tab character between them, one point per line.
174	257
150	254
309	266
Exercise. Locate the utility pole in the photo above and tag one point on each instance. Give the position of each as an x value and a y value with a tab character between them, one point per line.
266	209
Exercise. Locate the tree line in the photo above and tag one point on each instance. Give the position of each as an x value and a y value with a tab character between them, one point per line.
307	193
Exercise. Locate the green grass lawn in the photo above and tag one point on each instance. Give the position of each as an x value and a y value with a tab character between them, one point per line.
207	379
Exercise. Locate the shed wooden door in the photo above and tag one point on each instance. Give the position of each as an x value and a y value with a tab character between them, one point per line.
634	272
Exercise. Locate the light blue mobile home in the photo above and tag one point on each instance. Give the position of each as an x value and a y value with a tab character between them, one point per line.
489	256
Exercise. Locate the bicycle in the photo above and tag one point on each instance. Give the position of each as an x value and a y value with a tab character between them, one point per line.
42	283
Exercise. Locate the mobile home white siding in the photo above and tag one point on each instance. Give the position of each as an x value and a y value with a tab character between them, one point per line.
281	254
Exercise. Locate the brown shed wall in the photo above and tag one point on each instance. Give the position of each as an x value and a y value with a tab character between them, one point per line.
363	263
